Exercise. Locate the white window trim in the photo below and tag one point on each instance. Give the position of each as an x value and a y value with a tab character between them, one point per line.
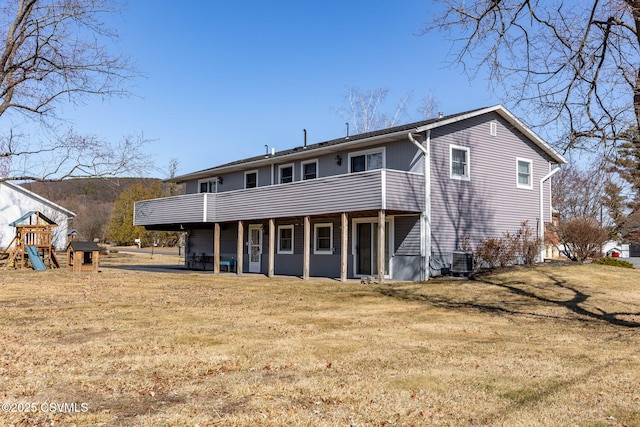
466	177
317	251
354	242
307	162
293	170
208	181
364	153
286	251
518	185
250	172
212	184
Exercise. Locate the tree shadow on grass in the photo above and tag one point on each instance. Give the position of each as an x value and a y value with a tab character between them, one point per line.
576	302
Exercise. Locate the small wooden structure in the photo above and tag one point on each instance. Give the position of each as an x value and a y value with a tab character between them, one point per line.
32	242
83	257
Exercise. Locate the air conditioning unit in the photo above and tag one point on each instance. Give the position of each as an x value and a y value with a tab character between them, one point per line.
461	262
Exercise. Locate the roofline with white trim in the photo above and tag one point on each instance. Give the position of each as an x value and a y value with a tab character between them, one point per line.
332	145
33	195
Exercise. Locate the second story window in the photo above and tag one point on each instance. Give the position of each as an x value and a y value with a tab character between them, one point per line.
286	174
310	170
204	186
251	179
524	173
209	185
366	161
459	162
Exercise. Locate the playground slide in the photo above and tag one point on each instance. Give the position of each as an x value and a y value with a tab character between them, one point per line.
35	259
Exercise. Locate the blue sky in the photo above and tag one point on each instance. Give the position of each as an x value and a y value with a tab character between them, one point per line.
224	78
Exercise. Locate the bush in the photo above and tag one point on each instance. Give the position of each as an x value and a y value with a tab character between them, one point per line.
614	262
497	251
528	244
581	238
521	247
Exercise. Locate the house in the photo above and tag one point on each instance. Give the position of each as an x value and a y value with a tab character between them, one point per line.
16	201
365	205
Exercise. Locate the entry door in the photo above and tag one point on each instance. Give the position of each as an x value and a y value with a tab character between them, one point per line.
367	249
255	248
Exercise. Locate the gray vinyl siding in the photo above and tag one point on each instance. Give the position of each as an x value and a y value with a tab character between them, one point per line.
199	241
231	182
406	248
399	155
406	267
405	191
362	191
188	208
404	156
327	165
407	235
191	187
312	197
489	203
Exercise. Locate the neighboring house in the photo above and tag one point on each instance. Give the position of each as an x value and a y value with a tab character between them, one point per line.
16	201
315	210
611	247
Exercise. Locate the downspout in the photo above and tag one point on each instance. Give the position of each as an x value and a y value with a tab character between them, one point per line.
425	240
541	229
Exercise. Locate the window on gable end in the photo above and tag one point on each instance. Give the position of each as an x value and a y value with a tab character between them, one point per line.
459	162
524	173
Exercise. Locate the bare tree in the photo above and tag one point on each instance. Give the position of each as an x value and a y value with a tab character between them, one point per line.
572	62
56	52
365	110
428	108
72	155
579	192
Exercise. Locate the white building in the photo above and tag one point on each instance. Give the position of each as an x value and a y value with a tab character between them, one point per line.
15	201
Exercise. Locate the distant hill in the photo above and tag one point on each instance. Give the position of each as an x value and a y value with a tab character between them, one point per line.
90	199
85	190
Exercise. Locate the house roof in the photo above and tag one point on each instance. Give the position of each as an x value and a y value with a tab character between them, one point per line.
381	135
39	198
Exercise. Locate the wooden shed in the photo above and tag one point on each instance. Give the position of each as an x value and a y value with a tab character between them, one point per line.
83	257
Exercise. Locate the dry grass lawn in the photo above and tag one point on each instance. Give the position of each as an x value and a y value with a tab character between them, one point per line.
547	346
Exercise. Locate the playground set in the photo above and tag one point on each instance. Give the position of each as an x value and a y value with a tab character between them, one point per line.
32	244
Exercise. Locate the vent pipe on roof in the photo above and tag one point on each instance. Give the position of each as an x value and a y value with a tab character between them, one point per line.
305	137
347	124
440	114
266	150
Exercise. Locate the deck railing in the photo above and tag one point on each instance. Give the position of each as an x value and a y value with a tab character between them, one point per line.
372	190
